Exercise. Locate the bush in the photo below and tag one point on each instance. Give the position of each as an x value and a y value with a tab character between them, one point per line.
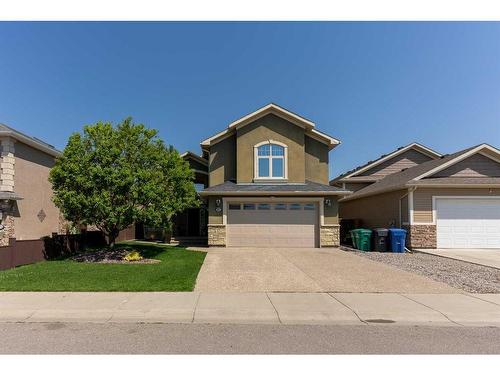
133	256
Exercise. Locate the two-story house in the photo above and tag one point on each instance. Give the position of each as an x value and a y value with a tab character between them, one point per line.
268	183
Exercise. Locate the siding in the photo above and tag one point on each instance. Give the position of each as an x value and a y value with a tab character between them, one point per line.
380	210
476	165
407	159
422	199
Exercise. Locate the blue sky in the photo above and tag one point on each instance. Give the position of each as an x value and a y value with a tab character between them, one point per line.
375	86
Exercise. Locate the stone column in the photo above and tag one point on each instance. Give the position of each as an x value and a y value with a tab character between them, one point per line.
7	163
216	235
329	236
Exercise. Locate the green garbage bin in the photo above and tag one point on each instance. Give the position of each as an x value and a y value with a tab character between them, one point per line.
353	237
364	239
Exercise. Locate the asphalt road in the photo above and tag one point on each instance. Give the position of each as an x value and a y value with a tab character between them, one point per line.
92	338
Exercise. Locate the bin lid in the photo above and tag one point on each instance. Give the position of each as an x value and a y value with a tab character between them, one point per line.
365	231
397	230
381	231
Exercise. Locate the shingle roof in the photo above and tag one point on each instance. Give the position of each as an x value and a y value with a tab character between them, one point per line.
398	180
408	146
277	188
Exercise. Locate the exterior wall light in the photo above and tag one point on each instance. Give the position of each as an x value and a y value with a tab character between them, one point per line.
328	202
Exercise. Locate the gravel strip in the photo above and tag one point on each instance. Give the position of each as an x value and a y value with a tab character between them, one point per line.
470	277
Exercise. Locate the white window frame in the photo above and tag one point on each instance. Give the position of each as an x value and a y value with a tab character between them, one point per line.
256	162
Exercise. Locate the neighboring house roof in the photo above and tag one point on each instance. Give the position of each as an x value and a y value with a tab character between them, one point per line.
7	131
373	163
192	155
416	176
274	109
307	188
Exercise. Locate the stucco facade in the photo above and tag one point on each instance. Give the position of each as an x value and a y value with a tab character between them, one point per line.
232	158
36	215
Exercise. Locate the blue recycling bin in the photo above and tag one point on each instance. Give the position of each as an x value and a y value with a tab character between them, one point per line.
397	238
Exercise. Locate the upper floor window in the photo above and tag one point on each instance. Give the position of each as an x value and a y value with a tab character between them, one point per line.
270	160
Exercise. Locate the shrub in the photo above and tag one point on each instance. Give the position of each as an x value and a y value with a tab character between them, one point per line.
133	256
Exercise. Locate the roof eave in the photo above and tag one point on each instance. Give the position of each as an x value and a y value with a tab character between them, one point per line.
21	138
274	193
388	190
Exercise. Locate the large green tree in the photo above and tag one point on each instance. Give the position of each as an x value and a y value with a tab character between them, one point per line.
111	177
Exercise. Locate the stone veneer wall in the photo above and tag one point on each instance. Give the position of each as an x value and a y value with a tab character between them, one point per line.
329	236
216	235
8	231
421	236
7	163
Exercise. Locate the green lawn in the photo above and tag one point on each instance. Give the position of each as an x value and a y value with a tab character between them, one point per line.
177	271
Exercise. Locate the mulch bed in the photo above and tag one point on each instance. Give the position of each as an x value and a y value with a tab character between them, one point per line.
109	256
470	277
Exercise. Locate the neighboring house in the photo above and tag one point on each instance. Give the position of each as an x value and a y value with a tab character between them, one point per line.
268	183
27	211
373	171
190	226
449	202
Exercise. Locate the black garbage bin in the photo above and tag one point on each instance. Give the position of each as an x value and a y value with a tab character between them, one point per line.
380	239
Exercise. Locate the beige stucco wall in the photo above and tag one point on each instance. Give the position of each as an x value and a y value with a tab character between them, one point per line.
274	128
316	159
31	182
331	213
422	199
222	161
380	210
213	216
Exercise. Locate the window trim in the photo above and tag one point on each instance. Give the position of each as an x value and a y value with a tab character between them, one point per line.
256	162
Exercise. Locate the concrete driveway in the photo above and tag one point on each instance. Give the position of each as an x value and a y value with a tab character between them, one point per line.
484	257
306	270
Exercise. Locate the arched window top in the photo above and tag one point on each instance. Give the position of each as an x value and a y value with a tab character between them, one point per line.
270	160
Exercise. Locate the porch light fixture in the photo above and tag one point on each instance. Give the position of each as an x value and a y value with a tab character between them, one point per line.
328	202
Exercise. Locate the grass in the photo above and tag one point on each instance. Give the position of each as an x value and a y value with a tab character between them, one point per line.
177	271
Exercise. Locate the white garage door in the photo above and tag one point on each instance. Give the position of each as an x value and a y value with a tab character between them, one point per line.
468	223
272	224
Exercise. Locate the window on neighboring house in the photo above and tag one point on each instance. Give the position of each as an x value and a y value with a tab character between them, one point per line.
270	161
199	187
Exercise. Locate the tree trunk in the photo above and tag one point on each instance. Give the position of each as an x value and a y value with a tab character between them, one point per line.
112	238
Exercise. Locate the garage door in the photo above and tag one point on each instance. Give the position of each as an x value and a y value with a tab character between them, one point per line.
272	224
468	223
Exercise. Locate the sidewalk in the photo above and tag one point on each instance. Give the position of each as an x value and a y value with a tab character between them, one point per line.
272	308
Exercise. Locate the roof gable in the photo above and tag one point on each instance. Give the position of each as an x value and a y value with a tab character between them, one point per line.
417	175
476	165
385	160
484	149
276	110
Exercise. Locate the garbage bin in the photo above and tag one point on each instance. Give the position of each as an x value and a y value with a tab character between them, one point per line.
353	234
397	239
380	240
364	239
